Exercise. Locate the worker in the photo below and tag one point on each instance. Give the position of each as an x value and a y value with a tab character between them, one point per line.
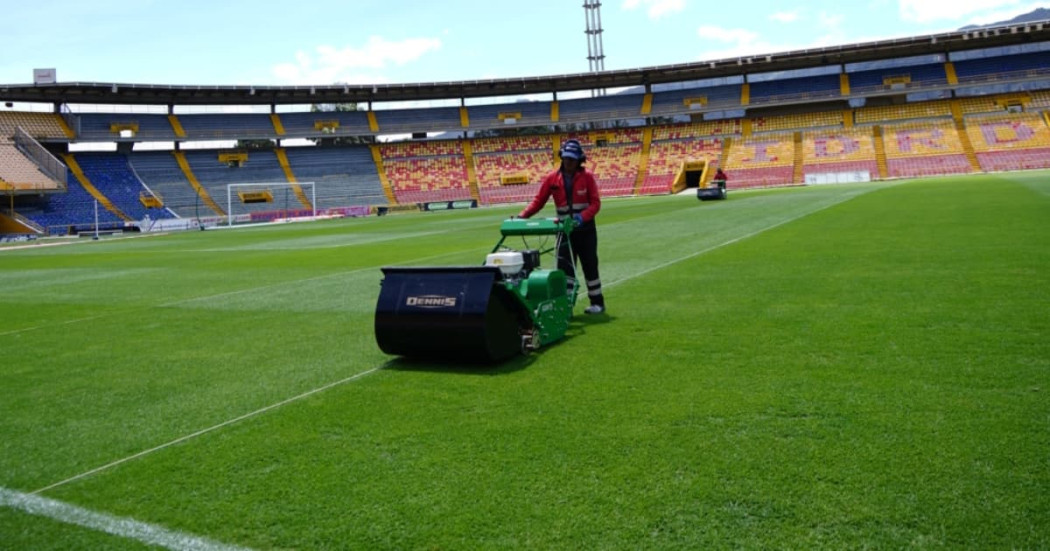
720	178
575	196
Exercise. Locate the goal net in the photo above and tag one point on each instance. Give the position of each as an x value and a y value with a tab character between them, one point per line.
268	201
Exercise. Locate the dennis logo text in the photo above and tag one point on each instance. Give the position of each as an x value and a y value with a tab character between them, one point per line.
431	301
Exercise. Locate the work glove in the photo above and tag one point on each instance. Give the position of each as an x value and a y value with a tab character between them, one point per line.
578	218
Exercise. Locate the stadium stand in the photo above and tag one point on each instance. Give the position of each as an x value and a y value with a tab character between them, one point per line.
897	78
226	126
160	173
417	148
261	166
337	123
615	167
113	177
38	125
422	180
108	126
991	104
1040	99
509	169
1010	142
839	151
426	171
924	149
903	112
613	156
532	142
503	115
988	69
614	106
667	156
613	136
343	176
19	172
795	89
920	139
63	213
992	116
508	177
433	119
685	101
762	161
728	127
781	123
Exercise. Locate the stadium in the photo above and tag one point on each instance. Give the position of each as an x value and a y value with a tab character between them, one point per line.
849	351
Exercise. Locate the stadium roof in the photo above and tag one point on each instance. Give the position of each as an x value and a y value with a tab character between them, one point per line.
117	93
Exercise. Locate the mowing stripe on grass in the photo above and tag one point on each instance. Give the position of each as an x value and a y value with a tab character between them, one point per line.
149	534
124	312
674	261
734	240
210	429
291	282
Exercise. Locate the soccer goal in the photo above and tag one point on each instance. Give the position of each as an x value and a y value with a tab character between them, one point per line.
287	199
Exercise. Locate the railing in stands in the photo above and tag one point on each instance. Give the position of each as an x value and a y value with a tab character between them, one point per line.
47	162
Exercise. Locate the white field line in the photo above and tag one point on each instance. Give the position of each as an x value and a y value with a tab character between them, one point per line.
209	429
60	323
149	534
75	241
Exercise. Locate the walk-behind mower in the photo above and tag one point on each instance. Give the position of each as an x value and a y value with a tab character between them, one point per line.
715	191
484	313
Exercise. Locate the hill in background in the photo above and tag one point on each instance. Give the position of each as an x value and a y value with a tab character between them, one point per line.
1038	14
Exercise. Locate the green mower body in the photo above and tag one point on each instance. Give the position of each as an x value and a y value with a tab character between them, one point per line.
479	313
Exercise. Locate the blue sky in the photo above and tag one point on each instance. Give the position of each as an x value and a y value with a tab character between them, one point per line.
241	42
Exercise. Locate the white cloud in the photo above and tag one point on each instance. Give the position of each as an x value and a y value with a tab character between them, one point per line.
656	8
329	64
986	11
832	27
736	42
827	29
727	43
831	22
720	34
785	16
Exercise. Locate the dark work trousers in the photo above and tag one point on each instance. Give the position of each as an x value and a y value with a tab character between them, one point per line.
584	241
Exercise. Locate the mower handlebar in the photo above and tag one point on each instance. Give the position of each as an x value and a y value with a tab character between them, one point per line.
536	226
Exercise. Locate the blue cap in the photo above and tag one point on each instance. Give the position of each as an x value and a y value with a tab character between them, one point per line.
572	149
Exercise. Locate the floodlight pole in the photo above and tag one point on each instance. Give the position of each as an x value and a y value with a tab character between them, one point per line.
592	13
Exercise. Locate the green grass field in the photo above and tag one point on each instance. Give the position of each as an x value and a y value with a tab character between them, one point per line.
852	366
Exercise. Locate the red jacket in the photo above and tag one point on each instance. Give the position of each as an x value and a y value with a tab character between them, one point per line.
586	200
